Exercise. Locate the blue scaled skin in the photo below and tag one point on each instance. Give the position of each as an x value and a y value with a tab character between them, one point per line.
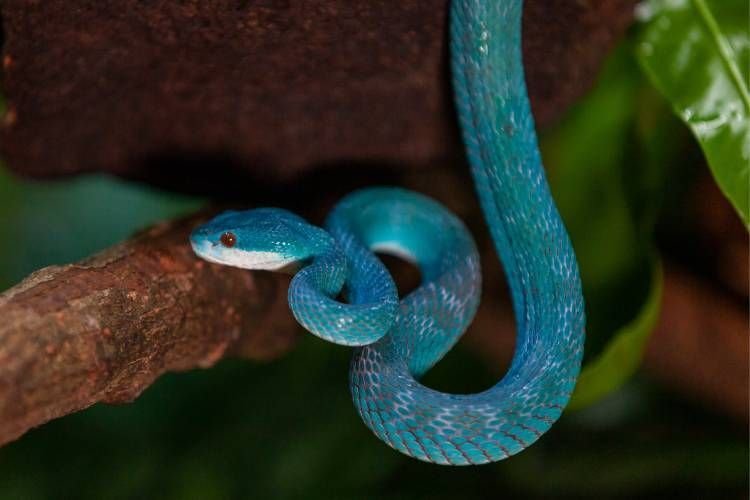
400	340
277	240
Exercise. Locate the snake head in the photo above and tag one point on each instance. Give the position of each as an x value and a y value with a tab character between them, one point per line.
262	238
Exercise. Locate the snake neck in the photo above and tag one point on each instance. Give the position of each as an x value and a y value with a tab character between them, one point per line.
325	269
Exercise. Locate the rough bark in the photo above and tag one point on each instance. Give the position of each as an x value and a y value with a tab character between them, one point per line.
104	329
261	90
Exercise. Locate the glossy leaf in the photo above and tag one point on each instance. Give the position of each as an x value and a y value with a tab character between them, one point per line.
697	53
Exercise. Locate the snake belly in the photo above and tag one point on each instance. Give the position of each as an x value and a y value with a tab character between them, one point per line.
398	341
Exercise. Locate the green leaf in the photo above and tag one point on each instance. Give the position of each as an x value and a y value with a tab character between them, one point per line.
622	356
697	54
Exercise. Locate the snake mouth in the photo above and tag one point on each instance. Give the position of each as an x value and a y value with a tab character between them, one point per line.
243	259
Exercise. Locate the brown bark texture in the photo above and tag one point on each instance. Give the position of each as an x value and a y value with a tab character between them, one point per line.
104	329
262	90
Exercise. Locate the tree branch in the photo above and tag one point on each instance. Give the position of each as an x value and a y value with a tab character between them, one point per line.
267	89
104	329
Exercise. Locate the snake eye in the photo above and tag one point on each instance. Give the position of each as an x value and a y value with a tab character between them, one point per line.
228	239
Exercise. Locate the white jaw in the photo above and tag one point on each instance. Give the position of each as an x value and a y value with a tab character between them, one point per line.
268	261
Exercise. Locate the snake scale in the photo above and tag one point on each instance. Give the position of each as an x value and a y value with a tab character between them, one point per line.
398	341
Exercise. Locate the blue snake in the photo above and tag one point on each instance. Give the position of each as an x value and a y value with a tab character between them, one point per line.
398	341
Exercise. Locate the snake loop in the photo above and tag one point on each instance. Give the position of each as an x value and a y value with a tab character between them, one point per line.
399	341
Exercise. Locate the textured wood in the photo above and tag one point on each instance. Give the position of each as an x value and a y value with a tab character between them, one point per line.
104	329
259	90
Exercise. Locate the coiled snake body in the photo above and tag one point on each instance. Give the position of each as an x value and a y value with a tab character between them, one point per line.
398	341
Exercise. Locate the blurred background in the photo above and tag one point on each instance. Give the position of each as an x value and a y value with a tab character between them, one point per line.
663	256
